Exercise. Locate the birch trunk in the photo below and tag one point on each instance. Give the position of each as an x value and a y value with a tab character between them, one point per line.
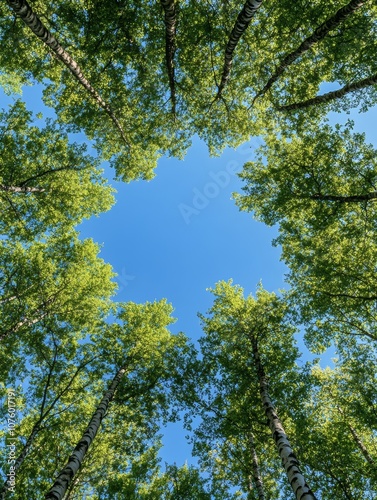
289	460
26	321
242	22
21	189
330	96
62	482
314	38
257	478
170	34
32	21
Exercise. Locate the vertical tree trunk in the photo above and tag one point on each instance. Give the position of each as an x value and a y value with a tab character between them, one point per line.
330	96
32	21
241	24
257	478
314	38
289	460
170	33
65	477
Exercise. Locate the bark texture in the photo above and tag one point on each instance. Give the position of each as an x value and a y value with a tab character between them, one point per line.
22	9
257	478
170	47
242	22
330	96
62	482
289	460
314	38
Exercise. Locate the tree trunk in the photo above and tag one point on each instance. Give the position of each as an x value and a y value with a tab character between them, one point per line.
63	480
289	460
242	22
346	199
330	96
257	479
20	324
357	440
314	38
32	21
21	189
170	33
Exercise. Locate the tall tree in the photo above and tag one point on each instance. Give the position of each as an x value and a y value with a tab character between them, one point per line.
245	338
32	21
319	33
144	355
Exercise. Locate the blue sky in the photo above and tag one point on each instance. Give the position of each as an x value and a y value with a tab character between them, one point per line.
179	234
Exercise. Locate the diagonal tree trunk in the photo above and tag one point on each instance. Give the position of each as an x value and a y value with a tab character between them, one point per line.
289	460
170	47
242	22
63	480
357	198
357	440
330	96
257	478
314	38
32	21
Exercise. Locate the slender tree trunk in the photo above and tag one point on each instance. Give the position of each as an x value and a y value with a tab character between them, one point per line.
257	478
330	96
242	22
314	38
289	460
357	440
63	480
21	189
170	34
20	324
32	21
346	199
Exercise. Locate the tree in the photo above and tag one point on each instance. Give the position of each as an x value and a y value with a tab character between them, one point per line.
123	48
46	183
245	339
145	356
32	21
57	376
320	187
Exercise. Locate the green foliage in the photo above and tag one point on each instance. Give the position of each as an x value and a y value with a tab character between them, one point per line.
227	390
45	183
320	186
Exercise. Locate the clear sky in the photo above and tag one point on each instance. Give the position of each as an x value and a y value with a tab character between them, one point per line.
180	233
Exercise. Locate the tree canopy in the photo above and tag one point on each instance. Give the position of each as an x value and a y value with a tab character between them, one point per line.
95	380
